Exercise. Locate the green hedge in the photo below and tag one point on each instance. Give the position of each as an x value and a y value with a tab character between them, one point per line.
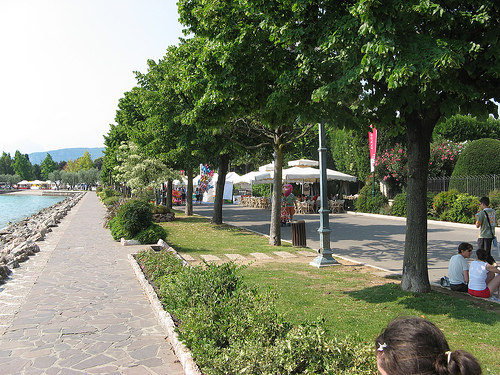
131	218
366	203
456	207
232	328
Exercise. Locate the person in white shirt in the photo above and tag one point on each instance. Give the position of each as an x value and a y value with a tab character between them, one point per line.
458	269
482	280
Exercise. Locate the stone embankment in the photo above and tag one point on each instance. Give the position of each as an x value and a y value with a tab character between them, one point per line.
18	241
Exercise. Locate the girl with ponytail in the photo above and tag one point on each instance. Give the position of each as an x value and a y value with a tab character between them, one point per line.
415	346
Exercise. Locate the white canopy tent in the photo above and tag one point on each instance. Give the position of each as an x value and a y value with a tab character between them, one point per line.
249	179
303	163
305	174
209	195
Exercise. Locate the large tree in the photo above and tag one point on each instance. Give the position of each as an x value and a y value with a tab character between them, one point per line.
47	166
22	166
415	61
253	86
6	164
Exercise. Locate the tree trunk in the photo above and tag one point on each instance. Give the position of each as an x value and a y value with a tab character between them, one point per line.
188	210
415	271
275	232
219	189
169	194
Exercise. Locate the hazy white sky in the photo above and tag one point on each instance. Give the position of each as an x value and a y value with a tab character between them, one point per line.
66	63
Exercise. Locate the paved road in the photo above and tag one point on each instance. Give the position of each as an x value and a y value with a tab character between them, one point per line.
371	239
77	307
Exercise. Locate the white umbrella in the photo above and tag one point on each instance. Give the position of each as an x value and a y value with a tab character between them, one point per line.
303	163
306	174
267	168
251	177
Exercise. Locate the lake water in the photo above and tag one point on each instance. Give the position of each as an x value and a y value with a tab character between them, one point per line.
14	208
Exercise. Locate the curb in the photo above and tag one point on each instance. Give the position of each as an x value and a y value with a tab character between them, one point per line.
182	353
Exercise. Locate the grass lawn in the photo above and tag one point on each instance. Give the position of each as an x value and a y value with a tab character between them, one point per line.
353	299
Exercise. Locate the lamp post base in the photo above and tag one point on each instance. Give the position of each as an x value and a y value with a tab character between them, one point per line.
324	261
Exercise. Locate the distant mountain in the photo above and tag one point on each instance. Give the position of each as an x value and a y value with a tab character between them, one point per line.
66	154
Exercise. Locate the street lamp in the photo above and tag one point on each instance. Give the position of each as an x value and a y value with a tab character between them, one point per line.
325	257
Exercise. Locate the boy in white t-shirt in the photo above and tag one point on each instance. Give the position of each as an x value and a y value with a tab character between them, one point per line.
458	270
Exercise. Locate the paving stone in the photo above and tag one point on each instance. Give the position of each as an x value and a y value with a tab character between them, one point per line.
261	256
285	254
236	257
210	258
187	257
98	360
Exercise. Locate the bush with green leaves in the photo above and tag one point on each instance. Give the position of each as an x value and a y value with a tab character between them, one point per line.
494	196
399	206
131	218
456	207
480	157
232	328
461	128
160	209
151	234
462	210
111	201
366	203
158	264
444	200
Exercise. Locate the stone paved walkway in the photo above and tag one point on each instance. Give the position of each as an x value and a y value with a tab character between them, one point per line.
77	307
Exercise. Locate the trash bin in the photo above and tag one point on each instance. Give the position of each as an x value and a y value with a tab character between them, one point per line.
299	233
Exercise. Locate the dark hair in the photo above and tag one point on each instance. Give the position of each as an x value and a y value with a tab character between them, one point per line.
482	255
464	246
416	346
485	200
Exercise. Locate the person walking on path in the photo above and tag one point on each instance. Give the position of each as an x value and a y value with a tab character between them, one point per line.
86	312
289	200
486	221
458	270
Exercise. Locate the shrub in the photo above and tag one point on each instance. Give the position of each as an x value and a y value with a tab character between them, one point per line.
494	196
444	200
462	210
107	193
234	329
131	218
158	264
110	201
461	128
480	157
151	234
398	207
159	209
366	203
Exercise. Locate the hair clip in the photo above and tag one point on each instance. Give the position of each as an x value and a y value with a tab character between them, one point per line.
381	347
449	356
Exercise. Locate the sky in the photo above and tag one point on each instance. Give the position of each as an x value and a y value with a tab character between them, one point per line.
66	63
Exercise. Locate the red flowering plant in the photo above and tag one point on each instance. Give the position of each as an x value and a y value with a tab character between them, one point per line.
392	165
444	156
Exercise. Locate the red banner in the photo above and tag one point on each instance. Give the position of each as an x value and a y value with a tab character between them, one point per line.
372	139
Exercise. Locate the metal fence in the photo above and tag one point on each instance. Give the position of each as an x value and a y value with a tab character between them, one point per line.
473	185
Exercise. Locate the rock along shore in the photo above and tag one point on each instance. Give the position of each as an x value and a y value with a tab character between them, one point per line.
18	241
